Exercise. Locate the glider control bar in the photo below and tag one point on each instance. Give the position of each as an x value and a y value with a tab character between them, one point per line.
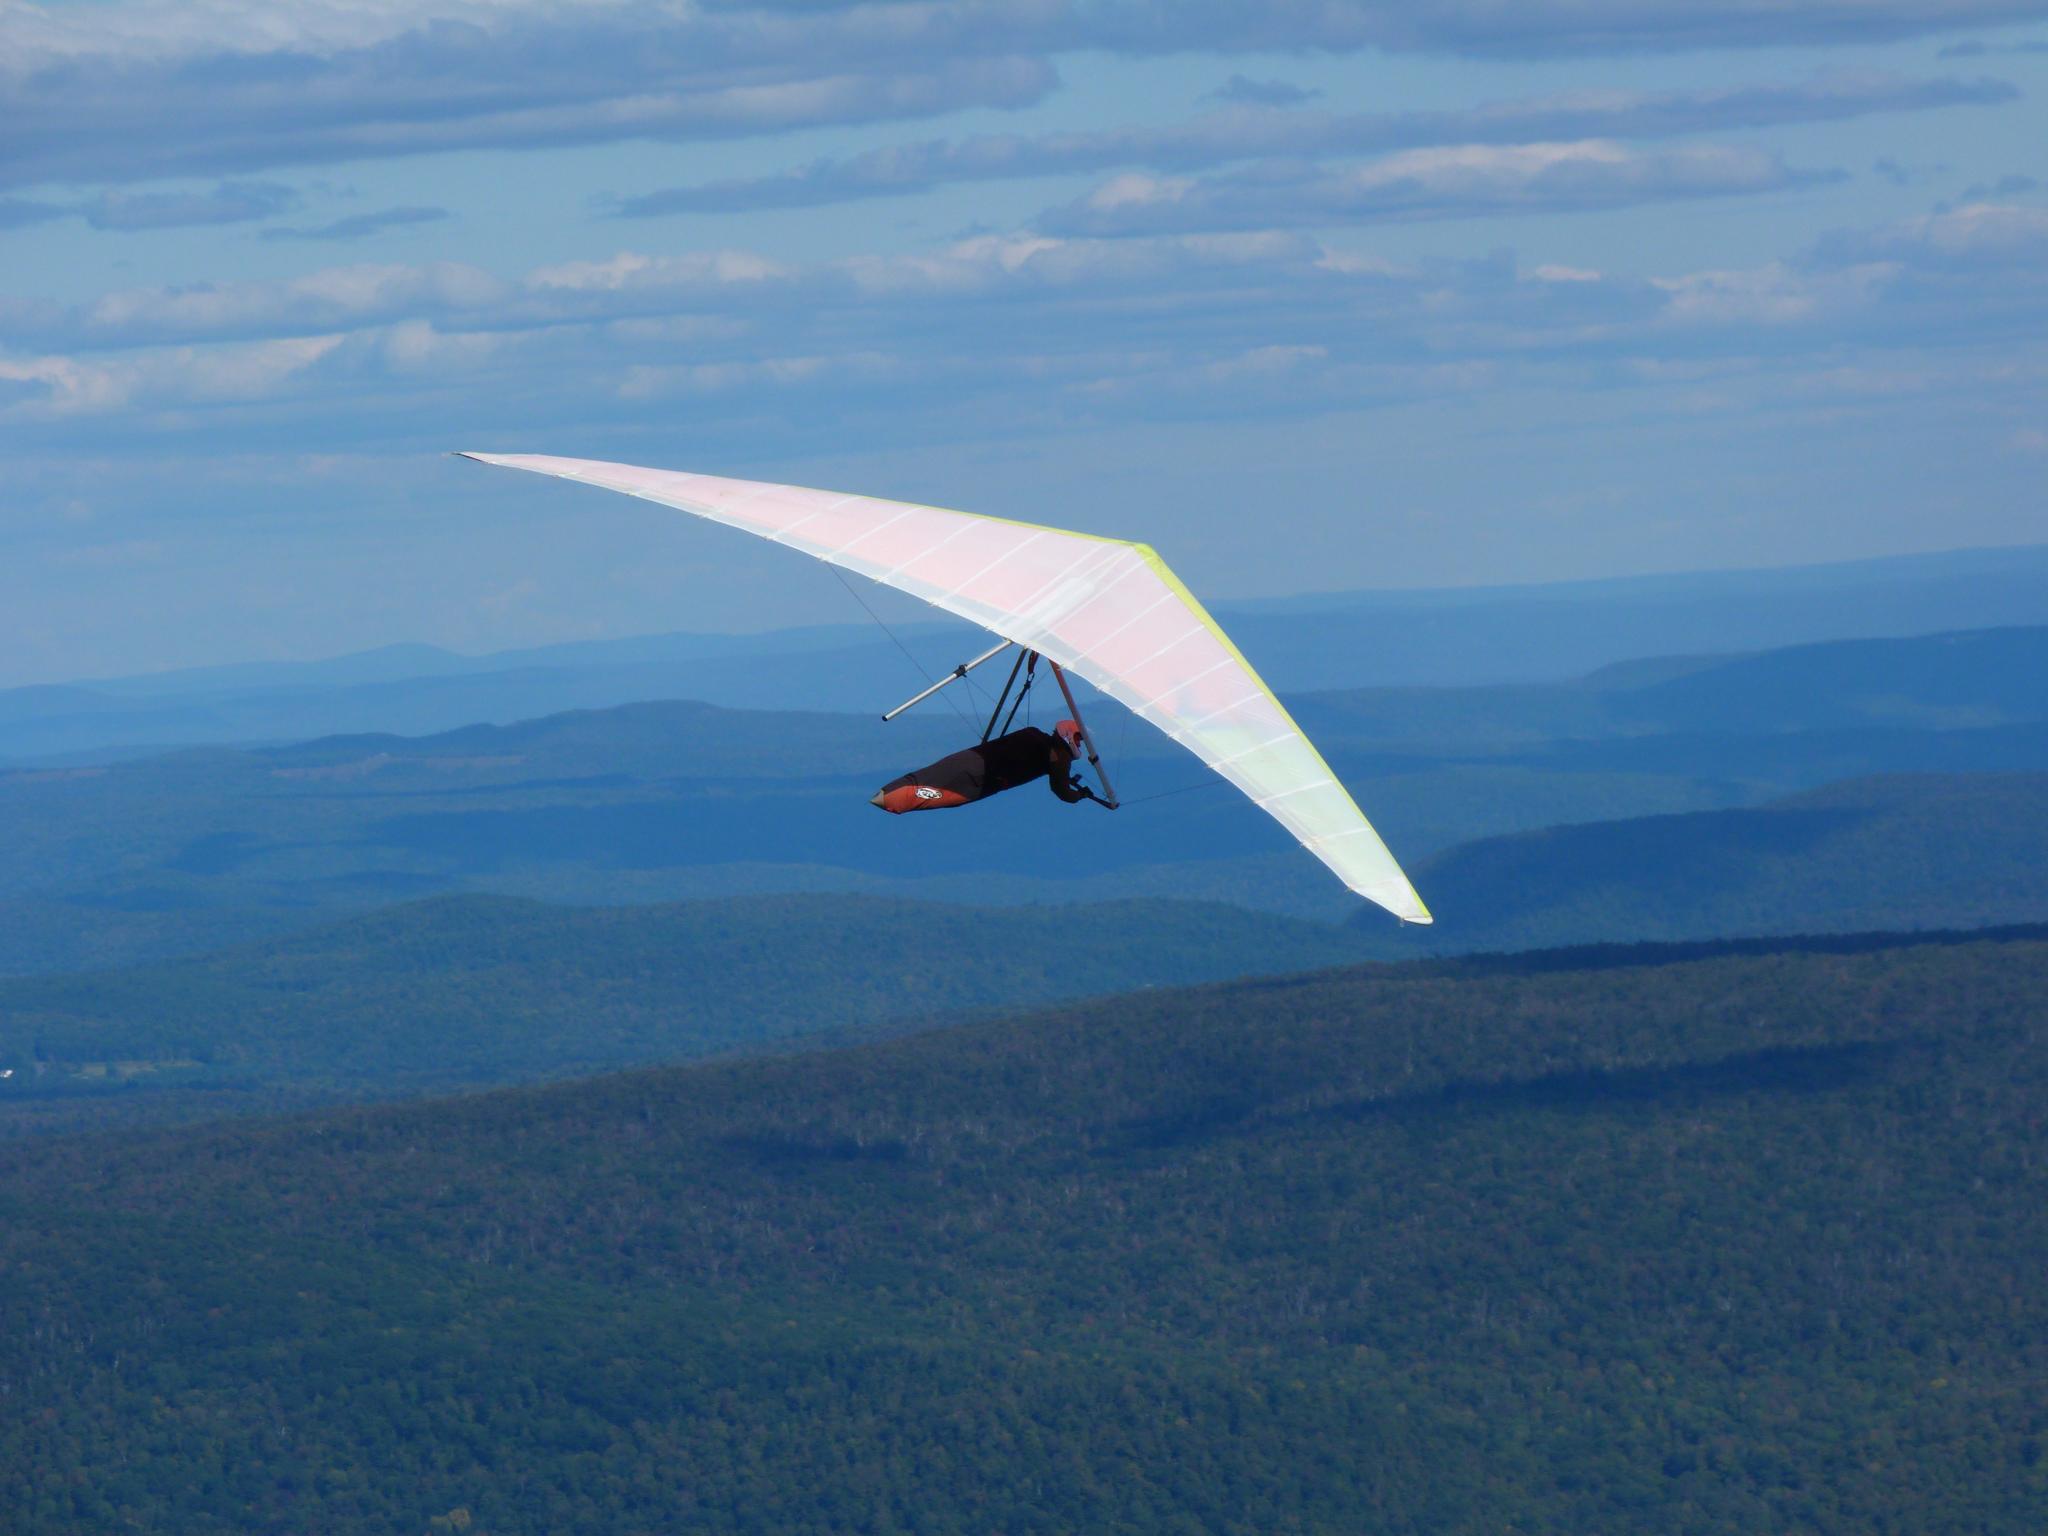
1087	736
960	671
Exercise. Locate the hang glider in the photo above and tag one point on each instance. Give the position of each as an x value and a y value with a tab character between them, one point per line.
1108	610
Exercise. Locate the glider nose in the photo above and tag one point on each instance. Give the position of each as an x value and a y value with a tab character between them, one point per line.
877	802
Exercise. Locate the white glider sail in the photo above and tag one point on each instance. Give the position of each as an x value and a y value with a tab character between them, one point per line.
1107	609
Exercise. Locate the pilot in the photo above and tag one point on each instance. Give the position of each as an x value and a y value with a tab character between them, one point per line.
990	768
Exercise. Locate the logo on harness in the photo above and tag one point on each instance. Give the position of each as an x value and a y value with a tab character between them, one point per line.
926	792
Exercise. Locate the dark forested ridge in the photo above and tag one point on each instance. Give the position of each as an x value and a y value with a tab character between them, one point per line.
1905	851
463	991
1727	1244
468	991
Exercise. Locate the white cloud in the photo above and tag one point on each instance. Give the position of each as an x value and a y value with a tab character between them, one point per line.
630	270
1442	182
1772	295
59	386
322	300
1136	191
1222	138
1264	362
416	347
1975	235
73	386
645	382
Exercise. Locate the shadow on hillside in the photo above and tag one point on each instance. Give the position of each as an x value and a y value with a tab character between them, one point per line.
1782	1069
1615	957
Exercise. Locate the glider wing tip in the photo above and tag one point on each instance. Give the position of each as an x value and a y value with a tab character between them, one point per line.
1405	905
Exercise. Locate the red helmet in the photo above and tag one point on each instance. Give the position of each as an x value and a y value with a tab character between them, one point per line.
1069	731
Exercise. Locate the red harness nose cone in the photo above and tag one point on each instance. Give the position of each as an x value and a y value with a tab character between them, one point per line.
917	797
878	802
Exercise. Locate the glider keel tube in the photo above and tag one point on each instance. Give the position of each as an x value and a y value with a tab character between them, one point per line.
1108	610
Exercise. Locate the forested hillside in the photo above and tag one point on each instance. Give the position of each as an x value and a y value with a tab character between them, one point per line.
1575	1243
467	991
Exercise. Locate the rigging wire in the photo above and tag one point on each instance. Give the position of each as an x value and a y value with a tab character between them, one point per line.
855	595
1185	789
1123	735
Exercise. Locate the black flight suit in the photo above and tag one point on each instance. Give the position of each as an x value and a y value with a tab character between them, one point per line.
994	766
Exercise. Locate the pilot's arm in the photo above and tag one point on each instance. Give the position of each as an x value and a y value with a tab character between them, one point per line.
1068	788
1060	777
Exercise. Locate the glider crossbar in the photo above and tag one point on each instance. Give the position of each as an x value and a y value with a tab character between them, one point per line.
958	672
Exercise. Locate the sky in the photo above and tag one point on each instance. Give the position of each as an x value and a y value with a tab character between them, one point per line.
1313	295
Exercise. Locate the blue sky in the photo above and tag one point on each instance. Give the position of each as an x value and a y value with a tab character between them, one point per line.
1313	296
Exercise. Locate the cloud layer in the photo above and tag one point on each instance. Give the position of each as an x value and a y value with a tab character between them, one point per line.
135	92
1050	332
1223	138
141	89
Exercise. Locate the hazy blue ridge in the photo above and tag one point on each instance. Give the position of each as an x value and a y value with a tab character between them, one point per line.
1951	681
660	801
1448	638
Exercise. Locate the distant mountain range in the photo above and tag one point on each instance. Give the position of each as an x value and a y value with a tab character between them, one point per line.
1453	638
144	859
1957	680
